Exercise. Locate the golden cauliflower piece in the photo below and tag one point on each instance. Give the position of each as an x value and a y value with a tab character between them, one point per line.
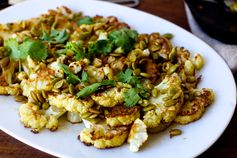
137	135
195	108
110	97
70	102
31	116
122	116
42	80
103	136
168	102
10	90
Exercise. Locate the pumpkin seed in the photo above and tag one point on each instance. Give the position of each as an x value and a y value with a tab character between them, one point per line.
175	132
93	116
40	97
148	108
58	84
94	111
34	96
71	89
45	106
44	94
154	92
20	98
145	74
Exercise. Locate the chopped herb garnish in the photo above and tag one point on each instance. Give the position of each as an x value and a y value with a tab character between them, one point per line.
86	20
34	48
131	97
71	78
84	76
55	36
77	49
93	88
124	38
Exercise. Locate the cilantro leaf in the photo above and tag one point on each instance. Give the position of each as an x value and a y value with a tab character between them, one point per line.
35	49
86	20
84	76
131	97
77	48
13	47
93	88
124	38
71	78
127	77
100	47
55	36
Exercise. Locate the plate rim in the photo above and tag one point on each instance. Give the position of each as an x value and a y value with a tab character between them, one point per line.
48	151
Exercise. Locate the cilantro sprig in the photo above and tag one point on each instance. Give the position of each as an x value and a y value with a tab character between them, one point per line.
93	88
72	78
55	36
133	95
34	48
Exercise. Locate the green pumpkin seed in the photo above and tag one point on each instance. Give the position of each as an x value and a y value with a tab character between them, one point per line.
145	74
34	96
40	97
148	108
20	98
154	92
58	84
93	116
71	89
45	106
136	72
168	36
142	45
175	132
94	111
44	94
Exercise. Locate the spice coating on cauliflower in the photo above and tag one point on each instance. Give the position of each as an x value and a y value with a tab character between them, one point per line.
103	136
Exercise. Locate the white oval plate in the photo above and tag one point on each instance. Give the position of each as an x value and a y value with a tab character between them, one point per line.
196	137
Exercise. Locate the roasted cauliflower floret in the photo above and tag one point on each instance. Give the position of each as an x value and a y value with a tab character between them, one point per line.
10	90
31	116
195	108
77	66
95	74
168	102
122	116
110	97
73	117
70	102
103	136
137	135
41	80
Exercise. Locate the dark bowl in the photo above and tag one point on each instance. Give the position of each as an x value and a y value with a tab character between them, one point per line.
216	19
